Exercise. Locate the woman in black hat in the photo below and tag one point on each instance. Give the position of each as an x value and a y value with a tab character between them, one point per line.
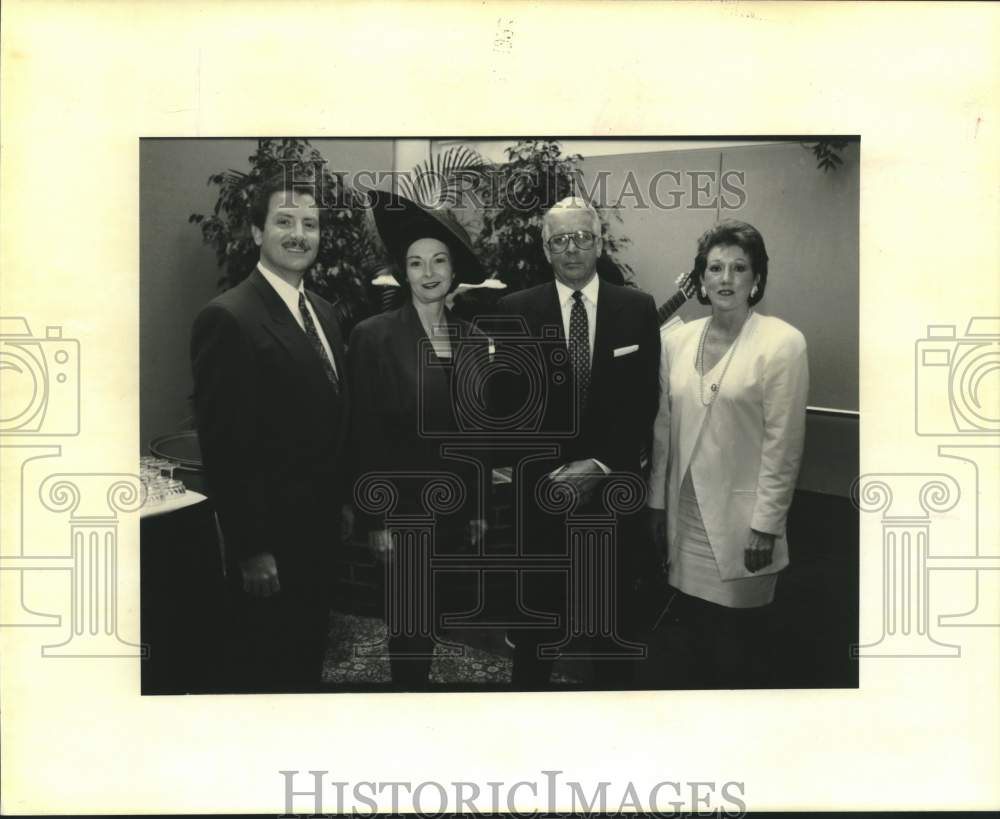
410	368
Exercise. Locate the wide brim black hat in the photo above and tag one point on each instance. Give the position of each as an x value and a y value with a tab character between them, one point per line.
401	221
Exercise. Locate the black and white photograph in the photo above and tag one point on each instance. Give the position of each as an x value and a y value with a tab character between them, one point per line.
499	408
523	413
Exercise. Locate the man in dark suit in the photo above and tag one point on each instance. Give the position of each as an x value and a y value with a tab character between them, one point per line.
271	406
599	404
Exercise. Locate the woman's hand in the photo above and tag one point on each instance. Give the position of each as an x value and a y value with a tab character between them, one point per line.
380	542
475	532
759	551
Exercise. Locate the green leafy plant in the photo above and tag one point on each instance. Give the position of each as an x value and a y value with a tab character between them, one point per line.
535	177
505	200
827	153
347	252
446	178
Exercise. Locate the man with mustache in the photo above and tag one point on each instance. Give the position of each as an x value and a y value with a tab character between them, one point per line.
271	407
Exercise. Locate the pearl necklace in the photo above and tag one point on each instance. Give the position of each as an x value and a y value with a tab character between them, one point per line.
717	386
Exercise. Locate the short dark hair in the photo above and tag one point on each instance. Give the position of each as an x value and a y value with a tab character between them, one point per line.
730	233
279	183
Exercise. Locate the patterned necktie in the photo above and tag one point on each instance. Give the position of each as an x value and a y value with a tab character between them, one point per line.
579	346
317	345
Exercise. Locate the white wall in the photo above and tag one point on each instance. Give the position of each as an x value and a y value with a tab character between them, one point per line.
494	149
810	221
808	218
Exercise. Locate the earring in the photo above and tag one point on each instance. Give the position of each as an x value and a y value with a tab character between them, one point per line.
704	292
753	291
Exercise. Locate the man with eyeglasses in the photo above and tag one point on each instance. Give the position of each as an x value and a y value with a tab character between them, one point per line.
599	403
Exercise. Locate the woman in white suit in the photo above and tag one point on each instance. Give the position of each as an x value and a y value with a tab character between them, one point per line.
727	447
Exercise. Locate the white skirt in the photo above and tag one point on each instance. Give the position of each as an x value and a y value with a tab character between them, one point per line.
694	570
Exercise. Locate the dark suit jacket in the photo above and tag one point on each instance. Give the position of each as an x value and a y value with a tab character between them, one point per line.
612	427
270	424
624	388
405	411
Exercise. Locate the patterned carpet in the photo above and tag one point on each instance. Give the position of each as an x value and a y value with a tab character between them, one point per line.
356	655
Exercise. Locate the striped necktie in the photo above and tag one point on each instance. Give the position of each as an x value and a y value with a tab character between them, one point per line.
313	335
579	346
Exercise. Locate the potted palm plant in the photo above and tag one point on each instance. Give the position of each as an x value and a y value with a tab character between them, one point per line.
501	205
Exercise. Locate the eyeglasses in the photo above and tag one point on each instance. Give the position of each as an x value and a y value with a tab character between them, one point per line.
583	239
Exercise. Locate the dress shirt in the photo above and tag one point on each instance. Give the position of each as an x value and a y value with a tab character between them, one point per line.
290	296
589	303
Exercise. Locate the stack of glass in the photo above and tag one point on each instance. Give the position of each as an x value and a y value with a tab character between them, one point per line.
157	476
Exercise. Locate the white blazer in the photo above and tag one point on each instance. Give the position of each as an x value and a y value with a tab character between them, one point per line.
744	450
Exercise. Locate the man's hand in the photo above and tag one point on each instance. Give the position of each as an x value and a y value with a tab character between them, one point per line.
380	542
585	475
260	575
346	522
759	551
475	532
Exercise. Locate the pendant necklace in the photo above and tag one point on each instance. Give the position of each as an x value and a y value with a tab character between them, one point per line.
716	386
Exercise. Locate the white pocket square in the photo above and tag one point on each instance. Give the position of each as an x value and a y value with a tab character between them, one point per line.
620	351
